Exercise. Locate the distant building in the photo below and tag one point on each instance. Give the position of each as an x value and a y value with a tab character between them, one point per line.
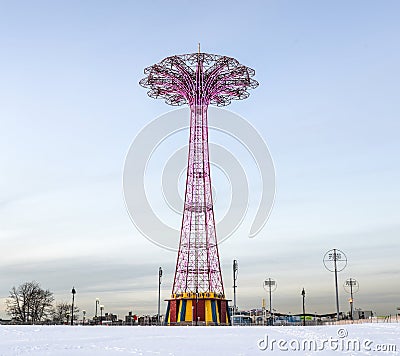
362	314
131	319
241	320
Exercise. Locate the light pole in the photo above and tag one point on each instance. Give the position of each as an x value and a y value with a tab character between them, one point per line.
335	261
235	273
83	318
160	272
351	286
336	284
101	314
271	285
72	309
303	293
264	313
351	299
95	315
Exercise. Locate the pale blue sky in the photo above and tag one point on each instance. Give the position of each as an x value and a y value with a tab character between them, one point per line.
327	106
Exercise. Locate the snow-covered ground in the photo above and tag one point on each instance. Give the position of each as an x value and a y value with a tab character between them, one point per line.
147	340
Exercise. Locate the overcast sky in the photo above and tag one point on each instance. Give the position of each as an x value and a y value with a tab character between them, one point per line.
327	106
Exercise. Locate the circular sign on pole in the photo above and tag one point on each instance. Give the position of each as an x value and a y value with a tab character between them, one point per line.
270	285
335	257
351	286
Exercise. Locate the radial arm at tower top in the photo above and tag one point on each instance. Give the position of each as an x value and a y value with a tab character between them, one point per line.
222	79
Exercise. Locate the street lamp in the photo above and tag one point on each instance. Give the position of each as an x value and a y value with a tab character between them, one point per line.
335	261
101	314
95	316
271	286
160	272
264	313
303	293
235	273
72	309
351	286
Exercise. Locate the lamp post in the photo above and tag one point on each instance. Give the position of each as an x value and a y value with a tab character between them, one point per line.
95	315
264	313
271	286
336	284
72	309
335	261
160	272
303	293
101	314
351	299
235	273
83	318
351	286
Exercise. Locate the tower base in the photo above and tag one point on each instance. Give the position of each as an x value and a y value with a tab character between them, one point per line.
197	309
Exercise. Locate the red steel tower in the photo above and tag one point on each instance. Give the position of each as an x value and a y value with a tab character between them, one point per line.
198	79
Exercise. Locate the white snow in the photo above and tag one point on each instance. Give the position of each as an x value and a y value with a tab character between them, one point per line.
191	340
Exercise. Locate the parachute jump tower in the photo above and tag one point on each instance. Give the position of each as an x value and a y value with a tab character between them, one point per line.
198	79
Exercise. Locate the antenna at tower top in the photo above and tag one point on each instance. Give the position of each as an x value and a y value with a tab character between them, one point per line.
199	47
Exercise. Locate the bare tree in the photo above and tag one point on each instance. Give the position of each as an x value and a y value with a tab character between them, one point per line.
62	311
29	303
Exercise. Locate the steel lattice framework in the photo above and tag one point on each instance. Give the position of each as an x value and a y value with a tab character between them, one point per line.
198	79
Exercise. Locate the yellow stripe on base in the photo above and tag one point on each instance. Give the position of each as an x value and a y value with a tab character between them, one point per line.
208	311
189	311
